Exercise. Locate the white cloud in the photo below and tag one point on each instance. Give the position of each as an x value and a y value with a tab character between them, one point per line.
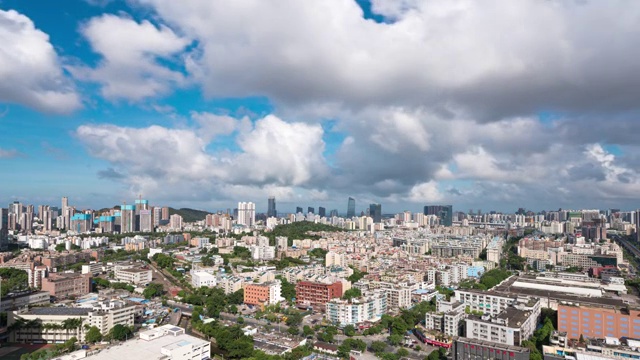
426	192
130	68
276	157
212	125
30	70
489	59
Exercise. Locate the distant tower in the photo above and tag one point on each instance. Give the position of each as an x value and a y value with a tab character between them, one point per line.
271	207
351	208
375	211
322	212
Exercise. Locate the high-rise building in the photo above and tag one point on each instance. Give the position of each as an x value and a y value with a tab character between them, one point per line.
81	223
157	215
444	212
351	208
127	219
375	211
4	229
322	212
146	220
311	210
46	215
175	222
66	214
271	207
298	210
636	217
165	214
333	213
246	214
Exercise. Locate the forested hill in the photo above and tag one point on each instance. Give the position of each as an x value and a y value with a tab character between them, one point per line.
189	215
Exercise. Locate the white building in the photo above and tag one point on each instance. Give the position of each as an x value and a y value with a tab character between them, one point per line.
369	307
128	273
263	252
511	326
246	214
164	342
203	278
333	258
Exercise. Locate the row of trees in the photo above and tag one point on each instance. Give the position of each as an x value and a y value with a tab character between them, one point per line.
13	280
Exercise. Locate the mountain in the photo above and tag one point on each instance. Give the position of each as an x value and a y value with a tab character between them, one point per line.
189	215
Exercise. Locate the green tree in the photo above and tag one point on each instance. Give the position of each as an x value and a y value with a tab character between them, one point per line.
349	330
402	352
307	330
240	320
93	335
394	339
120	332
293	330
153	290
377	346
352	293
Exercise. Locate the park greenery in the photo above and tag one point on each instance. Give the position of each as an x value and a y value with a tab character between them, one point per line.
357	275
55	351
153	290
318	253
105	284
13	280
93	335
299	230
488	280
542	335
352	293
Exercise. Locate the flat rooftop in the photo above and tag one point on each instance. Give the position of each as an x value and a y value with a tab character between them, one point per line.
141	349
551	293
58	311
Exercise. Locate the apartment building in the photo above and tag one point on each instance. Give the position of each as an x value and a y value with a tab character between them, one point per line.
63	285
367	308
511	326
268	293
107	314
230	284
36	274
447	317
487	302
317	293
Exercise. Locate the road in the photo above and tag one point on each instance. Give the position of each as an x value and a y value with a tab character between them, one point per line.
627	245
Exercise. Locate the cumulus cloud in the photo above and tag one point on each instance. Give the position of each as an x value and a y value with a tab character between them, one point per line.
134	58
274	155
489	59
30	70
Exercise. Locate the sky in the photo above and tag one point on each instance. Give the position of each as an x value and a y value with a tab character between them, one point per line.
488	105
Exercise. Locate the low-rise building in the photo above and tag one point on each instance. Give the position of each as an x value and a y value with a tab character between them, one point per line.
23	299
62	285
367	308
263	294
133	275
317	293
465	349
511	326
202	278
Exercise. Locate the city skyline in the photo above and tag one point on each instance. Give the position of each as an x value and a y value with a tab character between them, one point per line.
390	113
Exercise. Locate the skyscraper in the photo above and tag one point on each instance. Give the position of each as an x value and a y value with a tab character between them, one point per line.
375	211
351	208
444	212
298	210
127	219
311	210
4	229
271	207
246	213
322	212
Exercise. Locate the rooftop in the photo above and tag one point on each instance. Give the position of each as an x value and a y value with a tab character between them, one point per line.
142	349
58	311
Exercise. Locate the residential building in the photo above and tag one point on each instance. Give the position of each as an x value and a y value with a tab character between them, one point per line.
63	285
268	293
367	308
246	214
316	293
175	222
511	326
487	302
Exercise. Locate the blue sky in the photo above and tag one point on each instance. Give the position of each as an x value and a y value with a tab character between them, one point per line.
206	103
